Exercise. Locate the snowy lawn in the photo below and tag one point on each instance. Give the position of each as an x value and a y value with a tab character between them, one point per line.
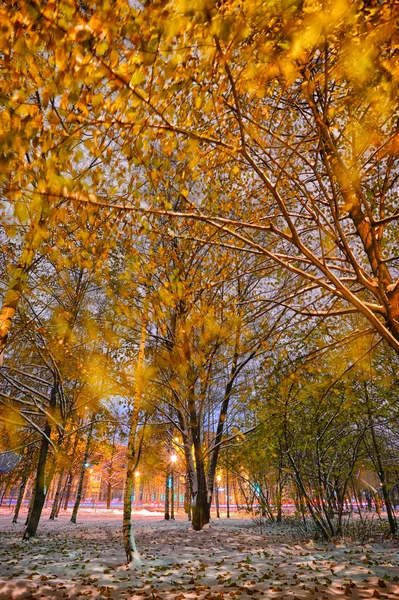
225	561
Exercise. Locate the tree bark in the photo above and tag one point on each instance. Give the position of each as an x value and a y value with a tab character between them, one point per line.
68	489
227	493
3	494
393	526
62	496
133	457
172	495
57	498
167	515
109	494
41	482
279	500
20	499
187	498
82	475
201	505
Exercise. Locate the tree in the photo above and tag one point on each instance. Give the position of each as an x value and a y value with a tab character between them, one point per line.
263	131
297	130
203	344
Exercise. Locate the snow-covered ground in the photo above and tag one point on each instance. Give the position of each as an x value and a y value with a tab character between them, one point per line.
227	560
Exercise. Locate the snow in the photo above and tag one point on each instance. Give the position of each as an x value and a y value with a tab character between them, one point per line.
229	560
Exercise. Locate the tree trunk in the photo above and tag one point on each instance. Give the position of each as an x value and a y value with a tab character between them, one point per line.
40	486
279	501
187	498
20	499
82	475
109	494
201	505
70	474
57	498
31	499
133	457
62	496
172	496
313	510
227	494
167	515
393	527
3	494
68	489
201	513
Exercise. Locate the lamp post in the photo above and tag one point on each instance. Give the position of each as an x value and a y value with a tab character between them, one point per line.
173	459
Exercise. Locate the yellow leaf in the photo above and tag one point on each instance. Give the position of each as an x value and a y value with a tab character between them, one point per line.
21	211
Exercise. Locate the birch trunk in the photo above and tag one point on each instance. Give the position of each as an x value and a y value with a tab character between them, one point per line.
133	456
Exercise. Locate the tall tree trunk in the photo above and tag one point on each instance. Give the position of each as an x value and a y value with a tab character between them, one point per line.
393	526
227	493
201	504
172	495
49	493
236	369
166	513
279	501
68	489
57	498
3	494
82	474
31	499
109	494
40	486
314	511
187	498
62	496
70	473
21	494
133	457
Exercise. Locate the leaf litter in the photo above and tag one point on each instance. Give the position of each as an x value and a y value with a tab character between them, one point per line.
227	561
